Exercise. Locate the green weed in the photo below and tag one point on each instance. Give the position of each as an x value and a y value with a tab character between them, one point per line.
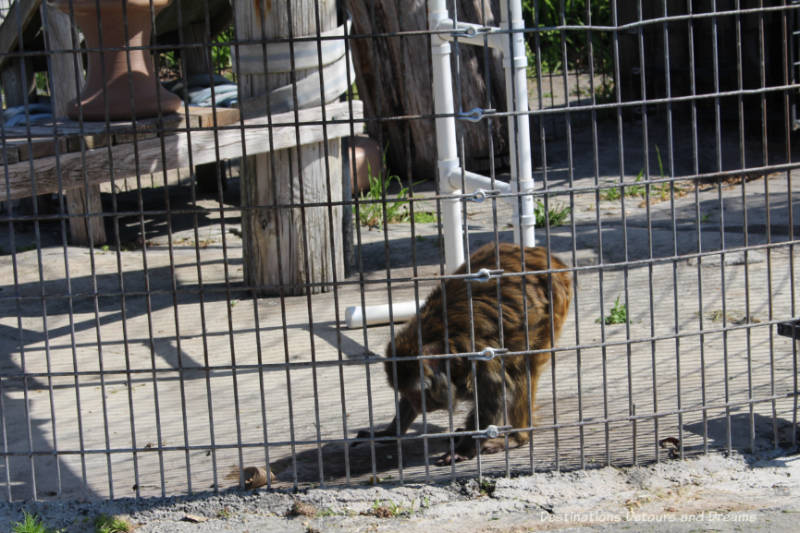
617	315
221	50
611	194
372	214
659	191
634	190
487	487
111	524
557	214
424	216
354	92
170	63
30	524
387	509
371	211
42	83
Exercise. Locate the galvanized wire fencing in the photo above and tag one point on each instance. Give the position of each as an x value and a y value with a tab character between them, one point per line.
190	231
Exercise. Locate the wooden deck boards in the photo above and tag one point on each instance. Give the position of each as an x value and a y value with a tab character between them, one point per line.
193	427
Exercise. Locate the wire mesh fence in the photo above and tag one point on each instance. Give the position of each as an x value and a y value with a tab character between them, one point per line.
200	199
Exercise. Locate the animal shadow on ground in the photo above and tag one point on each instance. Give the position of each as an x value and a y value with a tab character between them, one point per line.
359	457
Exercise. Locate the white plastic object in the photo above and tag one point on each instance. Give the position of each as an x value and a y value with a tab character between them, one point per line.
356	316
451	178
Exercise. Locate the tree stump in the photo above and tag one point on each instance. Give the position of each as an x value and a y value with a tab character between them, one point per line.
394	78
305	242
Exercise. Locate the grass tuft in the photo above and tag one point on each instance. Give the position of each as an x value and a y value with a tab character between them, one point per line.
618	314
30	524
557	215
111	524
658	191
371	213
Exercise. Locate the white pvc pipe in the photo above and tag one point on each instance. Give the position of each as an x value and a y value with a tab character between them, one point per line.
449	170
473	181
453	236
356	317
515	63
445	133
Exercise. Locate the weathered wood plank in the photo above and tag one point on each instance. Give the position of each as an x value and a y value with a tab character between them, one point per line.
75	137
207	115
40	148
198	117
9	153
99	164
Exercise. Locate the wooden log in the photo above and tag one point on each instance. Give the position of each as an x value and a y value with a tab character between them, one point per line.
99	165
83	228
310	247
394	78
295	229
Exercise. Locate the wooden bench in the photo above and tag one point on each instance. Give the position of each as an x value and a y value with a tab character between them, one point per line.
293	158
23	144
65	157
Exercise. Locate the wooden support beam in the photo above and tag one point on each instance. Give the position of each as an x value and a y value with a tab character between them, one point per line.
289	247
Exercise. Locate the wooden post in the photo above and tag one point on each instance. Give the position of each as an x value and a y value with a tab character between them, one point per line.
395	78
305	253
58	32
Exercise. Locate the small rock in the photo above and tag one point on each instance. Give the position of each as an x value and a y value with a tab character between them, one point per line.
255	476
672	445
470	489
302	509
382	512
